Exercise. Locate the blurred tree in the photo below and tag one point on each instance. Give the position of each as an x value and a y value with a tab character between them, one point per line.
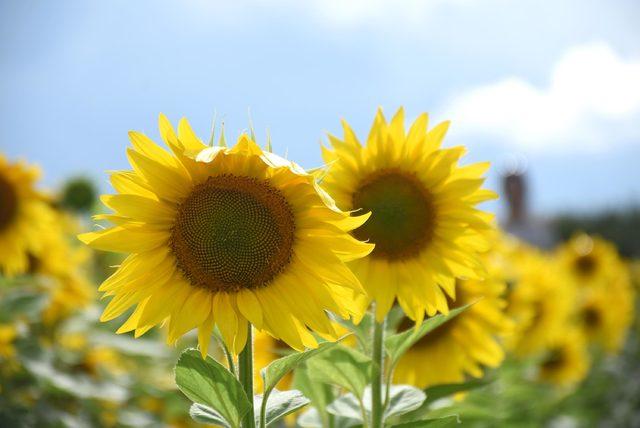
622	227
78	194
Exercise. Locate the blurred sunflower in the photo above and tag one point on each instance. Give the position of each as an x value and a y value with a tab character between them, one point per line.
541	304
590	261
566	362
464	345
25	218
226	236
605	313
8	335
69	293
424	222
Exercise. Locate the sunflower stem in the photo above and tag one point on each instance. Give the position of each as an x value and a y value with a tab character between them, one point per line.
377	370
245	376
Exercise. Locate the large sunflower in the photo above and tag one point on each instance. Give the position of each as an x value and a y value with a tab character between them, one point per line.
25	218
464	345
566	362
226	236
424	222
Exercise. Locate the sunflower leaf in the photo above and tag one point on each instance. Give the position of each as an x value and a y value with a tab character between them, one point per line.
440	391
397	344
206	415
276	370
403	399
343	367
279	405
205	381
443	422
319	393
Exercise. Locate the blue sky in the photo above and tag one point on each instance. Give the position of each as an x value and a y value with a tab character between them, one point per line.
555	83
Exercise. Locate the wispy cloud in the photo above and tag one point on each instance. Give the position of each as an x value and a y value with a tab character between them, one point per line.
592	102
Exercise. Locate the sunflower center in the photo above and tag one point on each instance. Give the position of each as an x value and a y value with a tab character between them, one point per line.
591	318
554	360
8	203
233	233
402	215
585	265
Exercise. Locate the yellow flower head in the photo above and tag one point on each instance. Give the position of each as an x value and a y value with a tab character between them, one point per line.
424	222
226	236
541	304
464	345
25	218
8	334
566	362
590	261
606	312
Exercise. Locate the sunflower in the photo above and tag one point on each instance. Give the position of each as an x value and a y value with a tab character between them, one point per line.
605	313
226	236
566	362
590	261
8	335
541	304
25	218
465	344
68	294
424	222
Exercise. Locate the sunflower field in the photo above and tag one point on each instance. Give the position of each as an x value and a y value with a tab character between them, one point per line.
221	284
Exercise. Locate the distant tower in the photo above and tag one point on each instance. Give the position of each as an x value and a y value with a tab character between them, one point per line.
519	221
514	189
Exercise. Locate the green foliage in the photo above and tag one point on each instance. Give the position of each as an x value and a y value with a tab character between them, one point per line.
319	393
403	399
343	367
442	422
622	227
78	194
397	344
205	381
280	404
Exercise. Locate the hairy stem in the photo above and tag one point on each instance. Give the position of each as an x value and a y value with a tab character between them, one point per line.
245	376
377	370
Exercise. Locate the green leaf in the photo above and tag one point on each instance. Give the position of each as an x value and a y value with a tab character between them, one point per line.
343	367
319	393
205	381
80	386
362	331
21	303
349	406
311	419
440	391
277	369
443	422
398	344
280	404
206	415
403	399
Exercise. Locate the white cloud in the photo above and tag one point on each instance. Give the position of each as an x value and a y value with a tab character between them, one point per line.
592	101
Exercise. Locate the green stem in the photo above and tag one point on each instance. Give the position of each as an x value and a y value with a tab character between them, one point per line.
227	354
377	370
263	409
245	376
